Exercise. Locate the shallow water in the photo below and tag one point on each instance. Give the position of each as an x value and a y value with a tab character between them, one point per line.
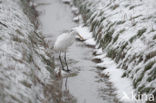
88	86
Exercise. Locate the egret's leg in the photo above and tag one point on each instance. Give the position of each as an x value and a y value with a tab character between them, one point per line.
61	61
66	61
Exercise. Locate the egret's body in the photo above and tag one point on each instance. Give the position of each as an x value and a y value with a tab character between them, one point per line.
62	43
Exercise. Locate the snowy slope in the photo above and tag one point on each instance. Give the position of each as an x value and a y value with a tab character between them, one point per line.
126	32
24	61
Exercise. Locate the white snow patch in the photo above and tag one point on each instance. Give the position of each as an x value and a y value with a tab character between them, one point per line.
123	85
76	19
84	32
138	46
90	42
75	10
101	56
98	51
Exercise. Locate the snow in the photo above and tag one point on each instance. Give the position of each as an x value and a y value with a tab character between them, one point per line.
98	51
75	10
90	42
134	47
83	31
76	19
86	35
138	46
123	85
125	91
22	67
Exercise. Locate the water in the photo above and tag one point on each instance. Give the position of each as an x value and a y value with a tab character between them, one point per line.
88	86
56	18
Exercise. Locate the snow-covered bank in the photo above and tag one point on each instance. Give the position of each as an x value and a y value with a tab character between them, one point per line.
125	30
25	63
111	68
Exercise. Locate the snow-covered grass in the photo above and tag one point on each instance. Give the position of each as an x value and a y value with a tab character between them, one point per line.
125	30
87	36
123	85
111	67
24	59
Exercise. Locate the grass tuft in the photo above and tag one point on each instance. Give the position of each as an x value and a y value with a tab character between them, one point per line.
120	22
132	38
114	6
147	67
154	37
141	31
152	75
111	53
116	38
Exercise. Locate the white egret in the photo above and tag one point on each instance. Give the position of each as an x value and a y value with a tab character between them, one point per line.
62	43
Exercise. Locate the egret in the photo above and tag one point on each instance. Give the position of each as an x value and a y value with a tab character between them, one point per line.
63	42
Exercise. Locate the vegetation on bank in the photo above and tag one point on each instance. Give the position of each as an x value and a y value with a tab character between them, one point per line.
126	35
25	61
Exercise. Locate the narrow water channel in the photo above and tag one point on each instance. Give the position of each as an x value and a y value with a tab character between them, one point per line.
88	86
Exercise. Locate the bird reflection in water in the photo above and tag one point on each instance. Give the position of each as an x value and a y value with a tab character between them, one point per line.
58	92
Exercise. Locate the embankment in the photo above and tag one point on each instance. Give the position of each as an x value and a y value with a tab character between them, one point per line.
25	62
126	32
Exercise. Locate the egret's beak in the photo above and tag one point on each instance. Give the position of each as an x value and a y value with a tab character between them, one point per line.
81	37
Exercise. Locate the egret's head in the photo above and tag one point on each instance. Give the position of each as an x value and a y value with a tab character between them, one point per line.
74	32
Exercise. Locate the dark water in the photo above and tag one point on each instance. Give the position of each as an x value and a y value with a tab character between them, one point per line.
88	86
